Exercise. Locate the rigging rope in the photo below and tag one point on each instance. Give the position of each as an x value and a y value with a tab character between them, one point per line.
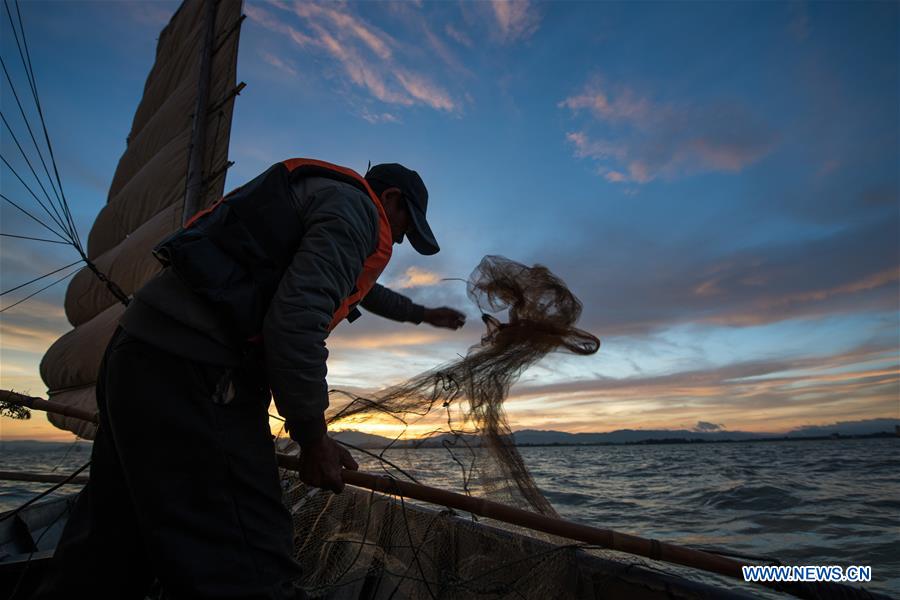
38	221
37	103
58	211
33	195
28	162
12	88
32	295
21	285
25	237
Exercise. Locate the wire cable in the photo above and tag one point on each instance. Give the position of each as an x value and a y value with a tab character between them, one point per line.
12	88
38	179
34	239
64	228
38	221
25	57
21	285
63	278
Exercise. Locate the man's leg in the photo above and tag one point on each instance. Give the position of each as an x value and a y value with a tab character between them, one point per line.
202	476
100	554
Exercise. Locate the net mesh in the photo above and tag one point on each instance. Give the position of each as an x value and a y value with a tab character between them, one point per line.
380	546
469	393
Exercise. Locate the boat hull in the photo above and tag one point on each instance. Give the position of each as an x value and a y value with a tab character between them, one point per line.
364	545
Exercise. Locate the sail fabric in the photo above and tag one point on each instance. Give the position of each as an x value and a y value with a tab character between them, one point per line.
152	172
146	196
74	359
84	398
129	264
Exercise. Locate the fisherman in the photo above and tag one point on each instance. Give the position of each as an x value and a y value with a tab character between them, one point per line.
184	486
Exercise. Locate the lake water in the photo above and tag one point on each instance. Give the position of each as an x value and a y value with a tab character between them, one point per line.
813	502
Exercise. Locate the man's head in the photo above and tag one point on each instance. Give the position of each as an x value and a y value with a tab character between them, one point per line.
405	200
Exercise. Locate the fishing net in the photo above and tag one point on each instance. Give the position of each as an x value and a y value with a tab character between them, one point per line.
371	542
469	393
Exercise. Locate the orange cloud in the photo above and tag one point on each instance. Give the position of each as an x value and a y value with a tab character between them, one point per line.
755	396
385	341
426	92
377	41
416	277
875	280
364	53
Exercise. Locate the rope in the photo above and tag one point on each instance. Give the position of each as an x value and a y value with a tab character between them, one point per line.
37	102
58	218
25	237
63	278
21	285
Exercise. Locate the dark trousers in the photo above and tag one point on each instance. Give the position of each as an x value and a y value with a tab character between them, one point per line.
182	489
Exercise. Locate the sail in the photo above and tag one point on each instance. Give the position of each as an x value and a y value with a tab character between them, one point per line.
195	69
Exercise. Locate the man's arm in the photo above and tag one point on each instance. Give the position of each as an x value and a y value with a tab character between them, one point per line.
385	302
389	304
341	226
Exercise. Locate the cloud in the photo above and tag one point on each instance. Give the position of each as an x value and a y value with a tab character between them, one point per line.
264	18
377	41
642	281
707	426
625	106
386	341
637	140
426	92
458	36
365	53
516	19
282	65
760	395
416	277
383	117
587	148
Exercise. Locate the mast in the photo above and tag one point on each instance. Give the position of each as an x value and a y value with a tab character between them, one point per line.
193	189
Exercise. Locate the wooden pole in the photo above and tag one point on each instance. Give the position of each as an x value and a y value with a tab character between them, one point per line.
193	194
41	477
606	538
48	406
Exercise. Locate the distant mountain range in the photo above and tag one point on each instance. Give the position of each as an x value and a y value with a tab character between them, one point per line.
534	437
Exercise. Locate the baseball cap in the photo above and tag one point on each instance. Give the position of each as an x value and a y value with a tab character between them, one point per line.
416	195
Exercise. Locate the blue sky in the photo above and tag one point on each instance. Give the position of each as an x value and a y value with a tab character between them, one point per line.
718	182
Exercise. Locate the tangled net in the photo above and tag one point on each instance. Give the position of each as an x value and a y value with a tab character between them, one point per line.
542	313
368	545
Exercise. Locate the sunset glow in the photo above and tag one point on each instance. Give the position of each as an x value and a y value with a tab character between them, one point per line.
721	193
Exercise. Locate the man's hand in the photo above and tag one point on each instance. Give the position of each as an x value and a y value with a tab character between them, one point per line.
321	462
445	316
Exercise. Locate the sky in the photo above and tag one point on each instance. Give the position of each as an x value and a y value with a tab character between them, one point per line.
716	181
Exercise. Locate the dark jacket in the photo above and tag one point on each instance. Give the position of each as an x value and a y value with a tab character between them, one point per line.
340	230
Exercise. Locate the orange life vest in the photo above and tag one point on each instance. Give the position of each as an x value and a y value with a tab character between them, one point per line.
375	262
235	252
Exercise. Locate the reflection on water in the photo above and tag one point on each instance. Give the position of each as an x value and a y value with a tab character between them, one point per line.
822	502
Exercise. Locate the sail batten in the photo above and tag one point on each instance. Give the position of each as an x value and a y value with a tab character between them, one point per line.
147	193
